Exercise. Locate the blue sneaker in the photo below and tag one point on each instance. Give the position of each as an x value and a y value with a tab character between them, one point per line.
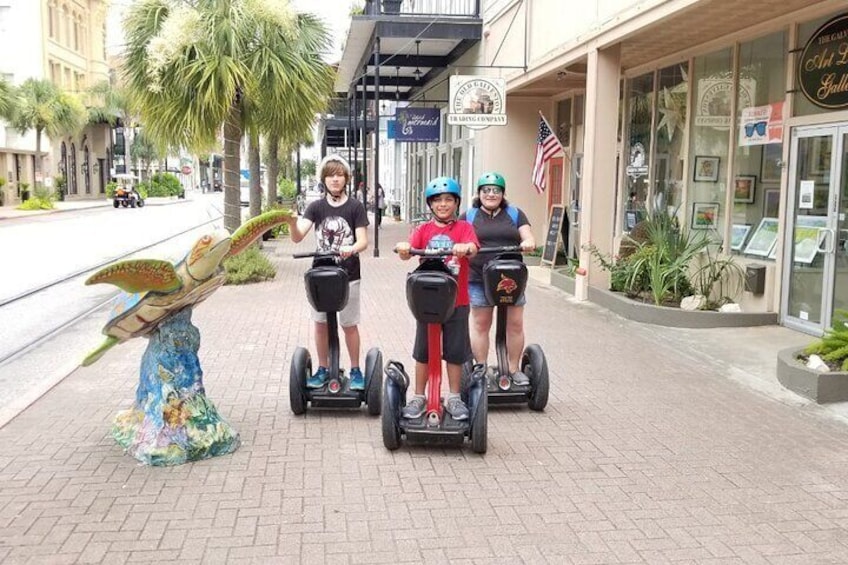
319	379
357	381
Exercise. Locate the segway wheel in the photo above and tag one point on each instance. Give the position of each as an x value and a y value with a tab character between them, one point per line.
374	381
465	383
388	421
115	203
301	368
535	366
140	203
480	425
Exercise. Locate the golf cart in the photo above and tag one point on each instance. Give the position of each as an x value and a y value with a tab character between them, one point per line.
126	193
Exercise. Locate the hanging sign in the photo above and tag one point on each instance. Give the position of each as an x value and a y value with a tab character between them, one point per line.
416	124
477	102
761	125
823	66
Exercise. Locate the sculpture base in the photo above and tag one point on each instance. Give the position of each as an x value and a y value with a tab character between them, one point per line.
172	421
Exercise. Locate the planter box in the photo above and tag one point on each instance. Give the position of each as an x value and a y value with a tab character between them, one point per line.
817	386
675	317
562	281
532	260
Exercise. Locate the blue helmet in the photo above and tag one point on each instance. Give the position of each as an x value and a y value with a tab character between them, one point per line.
442	185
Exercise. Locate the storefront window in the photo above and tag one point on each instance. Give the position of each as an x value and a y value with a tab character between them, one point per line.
713	82
756	194
640	97
672	95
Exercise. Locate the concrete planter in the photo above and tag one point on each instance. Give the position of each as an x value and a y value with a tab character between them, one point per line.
817	386
675	317
562	281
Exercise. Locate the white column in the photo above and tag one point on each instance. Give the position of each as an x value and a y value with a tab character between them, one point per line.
597	209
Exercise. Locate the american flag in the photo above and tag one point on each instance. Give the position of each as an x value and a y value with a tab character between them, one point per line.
547	145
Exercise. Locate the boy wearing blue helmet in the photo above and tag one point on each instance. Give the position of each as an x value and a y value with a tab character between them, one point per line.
444	231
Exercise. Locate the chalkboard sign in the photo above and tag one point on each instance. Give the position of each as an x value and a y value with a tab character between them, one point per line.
552	236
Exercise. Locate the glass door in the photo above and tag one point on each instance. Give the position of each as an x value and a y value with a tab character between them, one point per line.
814	248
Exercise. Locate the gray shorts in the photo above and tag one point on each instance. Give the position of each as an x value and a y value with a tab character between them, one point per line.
349	316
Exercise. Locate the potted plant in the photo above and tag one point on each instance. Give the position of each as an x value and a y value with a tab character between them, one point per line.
24	191
61	183
2	192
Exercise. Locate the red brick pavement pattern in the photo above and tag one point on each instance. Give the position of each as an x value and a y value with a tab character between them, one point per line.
642	456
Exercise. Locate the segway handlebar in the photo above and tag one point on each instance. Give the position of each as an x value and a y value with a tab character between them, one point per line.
430	252
501	249
316	254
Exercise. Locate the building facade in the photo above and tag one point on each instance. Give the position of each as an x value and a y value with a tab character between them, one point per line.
63	41
732	116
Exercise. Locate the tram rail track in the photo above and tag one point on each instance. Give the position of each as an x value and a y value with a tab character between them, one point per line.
32	296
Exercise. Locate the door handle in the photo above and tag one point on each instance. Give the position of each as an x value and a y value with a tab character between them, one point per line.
828	236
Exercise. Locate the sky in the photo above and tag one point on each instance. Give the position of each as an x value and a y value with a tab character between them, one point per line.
335	14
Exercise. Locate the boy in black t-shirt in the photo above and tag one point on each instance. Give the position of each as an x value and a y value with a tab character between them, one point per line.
341	224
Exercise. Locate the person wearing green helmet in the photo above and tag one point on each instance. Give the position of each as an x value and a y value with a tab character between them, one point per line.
444	231
496	224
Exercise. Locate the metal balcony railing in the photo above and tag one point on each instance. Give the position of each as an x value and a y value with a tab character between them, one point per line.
452	8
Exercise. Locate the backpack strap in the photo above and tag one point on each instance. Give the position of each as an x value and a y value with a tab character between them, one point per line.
471	213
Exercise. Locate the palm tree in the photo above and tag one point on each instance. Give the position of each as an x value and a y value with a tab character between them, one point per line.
41	106
195	67
7	98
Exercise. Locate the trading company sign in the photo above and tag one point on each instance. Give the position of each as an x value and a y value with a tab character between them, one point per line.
417	124
477	102
823	66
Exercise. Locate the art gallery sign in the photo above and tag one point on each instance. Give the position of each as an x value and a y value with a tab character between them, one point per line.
477	102
823	65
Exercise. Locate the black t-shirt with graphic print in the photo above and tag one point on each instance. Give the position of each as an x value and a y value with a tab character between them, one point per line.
336	226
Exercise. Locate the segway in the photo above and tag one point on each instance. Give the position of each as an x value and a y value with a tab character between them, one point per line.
504	281
327	290
431	296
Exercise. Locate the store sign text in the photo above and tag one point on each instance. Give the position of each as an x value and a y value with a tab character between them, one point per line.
823	67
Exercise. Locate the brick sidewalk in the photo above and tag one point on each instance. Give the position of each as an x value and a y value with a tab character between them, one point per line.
643	455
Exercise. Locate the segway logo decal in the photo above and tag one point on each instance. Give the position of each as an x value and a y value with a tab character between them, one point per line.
507	286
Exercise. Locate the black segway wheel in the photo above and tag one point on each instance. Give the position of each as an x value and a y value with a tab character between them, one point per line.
301	368
374	381
480	424
535	366
115	203
388	421
140	203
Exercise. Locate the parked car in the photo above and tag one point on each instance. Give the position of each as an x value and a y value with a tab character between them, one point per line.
126	194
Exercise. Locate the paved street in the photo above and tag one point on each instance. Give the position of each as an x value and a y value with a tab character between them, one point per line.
657	446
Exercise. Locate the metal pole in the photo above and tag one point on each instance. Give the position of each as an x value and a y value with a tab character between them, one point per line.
377	218
355	161
348	141
364	141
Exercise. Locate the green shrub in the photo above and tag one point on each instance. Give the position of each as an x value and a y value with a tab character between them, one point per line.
161	185
110	189
833	346
37	203
251	265
286	189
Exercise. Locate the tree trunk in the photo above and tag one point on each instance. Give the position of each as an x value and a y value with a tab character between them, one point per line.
255	185
232	165
273	170
37	185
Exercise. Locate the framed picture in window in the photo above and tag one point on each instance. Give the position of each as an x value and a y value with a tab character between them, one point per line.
704	215
738	236
771	203
770	169
706	168
743	189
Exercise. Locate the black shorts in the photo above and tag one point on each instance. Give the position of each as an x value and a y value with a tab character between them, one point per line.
456	345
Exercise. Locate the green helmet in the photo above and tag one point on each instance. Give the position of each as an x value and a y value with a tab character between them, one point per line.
491	179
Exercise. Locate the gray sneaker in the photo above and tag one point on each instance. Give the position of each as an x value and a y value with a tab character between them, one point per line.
457	408
414	408
520	379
